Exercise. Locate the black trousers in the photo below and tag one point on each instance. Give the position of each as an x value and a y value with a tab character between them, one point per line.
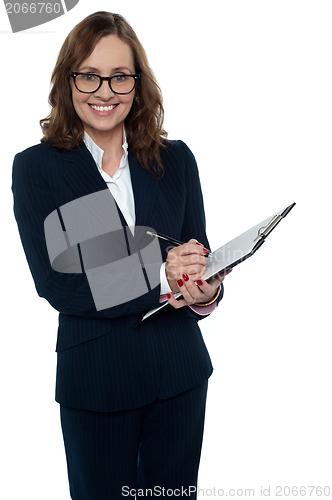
153	451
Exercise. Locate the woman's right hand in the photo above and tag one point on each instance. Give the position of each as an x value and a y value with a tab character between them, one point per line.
187	259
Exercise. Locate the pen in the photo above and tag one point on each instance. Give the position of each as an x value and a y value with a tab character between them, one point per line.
167	238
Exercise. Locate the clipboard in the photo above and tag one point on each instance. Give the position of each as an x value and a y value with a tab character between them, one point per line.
234	252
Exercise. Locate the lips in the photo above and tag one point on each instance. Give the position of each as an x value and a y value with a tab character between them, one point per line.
103	108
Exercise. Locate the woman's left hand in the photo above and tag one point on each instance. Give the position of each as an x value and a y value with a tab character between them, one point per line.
195	292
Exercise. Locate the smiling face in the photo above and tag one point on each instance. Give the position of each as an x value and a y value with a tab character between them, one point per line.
103	113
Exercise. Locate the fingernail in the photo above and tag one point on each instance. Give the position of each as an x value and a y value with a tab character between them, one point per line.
205	250
185	277
169	295
199	243
199	282
180	282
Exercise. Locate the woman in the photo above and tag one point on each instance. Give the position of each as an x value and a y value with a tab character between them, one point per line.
132	398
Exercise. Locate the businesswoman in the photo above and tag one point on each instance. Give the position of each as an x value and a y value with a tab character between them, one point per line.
132	397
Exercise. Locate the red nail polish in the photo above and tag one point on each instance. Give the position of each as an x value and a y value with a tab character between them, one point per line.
169	295
200	244
199	282
180	282
185	277
205	250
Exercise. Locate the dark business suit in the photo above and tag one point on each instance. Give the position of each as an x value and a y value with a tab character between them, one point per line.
105	363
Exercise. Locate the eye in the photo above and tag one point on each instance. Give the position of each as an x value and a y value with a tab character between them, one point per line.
88	77
120	78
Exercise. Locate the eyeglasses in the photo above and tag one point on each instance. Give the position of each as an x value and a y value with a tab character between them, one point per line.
119	84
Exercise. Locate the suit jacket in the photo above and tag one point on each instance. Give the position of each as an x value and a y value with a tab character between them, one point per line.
105	363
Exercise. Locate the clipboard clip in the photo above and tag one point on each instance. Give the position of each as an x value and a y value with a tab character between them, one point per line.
265	230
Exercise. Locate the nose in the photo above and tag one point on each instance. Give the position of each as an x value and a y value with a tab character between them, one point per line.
104	92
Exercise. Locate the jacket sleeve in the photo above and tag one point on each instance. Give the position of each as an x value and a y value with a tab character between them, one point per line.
194	225
69	293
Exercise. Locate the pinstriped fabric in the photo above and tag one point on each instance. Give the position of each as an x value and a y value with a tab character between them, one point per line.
131	367
166	436
104	362
33	201
101	452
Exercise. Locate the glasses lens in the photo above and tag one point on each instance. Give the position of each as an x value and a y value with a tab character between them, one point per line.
122	84
87	83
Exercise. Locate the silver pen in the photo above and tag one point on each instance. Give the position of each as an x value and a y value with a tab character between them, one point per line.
170	240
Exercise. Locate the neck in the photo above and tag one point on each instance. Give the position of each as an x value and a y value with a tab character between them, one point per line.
110	142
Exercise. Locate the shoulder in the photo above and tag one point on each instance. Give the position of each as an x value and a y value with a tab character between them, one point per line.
177	147
36	151
178	154
44	159
35	164
37	157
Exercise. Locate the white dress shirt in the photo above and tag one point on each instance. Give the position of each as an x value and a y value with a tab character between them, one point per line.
121	189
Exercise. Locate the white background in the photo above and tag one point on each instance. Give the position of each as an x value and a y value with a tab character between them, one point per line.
247	85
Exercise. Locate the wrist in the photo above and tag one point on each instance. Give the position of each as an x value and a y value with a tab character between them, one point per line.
203	304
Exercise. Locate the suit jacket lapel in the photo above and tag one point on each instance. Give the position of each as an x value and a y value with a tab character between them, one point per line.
81	174
145	187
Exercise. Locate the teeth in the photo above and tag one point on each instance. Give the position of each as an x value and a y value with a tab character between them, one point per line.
103	108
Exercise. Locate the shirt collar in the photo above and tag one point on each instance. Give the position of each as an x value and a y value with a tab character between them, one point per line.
97	152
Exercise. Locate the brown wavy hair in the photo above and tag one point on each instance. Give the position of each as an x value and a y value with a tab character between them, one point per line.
63	128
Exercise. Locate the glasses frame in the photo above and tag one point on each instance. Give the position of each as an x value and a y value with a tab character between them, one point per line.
74	74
